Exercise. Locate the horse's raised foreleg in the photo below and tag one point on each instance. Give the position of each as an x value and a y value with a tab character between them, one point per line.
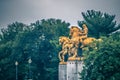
63	55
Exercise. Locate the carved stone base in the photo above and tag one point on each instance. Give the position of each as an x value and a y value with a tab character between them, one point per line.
74	67
62	72
70	70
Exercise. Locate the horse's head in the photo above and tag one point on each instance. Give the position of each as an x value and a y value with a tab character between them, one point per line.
63	39
75	31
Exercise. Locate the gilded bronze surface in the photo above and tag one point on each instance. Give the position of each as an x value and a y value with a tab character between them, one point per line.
70	45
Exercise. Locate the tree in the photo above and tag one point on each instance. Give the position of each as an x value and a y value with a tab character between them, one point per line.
99	24
11	31
103	63
7	59
51	29
38	41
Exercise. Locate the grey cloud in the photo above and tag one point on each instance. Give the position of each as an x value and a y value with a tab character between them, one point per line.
28	11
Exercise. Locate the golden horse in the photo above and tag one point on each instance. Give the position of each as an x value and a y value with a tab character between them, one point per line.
66	47
78	39
80	36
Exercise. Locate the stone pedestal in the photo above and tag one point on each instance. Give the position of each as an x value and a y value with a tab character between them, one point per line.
73	69
62	72
70	70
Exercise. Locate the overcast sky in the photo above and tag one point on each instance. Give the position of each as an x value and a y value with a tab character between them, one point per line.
29	11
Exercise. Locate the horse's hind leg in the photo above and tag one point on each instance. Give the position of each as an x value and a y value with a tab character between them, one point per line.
60	55
82	46
75	55
62	58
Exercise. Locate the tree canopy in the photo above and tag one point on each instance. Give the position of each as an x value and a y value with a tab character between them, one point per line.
99	24
103	63
38	41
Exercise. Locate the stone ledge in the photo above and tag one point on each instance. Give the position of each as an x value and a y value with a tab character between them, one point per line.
63	63
76	58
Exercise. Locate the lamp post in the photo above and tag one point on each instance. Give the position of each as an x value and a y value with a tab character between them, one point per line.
30	61
16	64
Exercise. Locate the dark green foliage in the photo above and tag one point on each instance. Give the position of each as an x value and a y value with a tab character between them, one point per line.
99	24
104	63
11	31
38	41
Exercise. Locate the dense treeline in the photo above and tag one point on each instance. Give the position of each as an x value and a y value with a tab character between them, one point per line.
102	63
39	42
99	24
